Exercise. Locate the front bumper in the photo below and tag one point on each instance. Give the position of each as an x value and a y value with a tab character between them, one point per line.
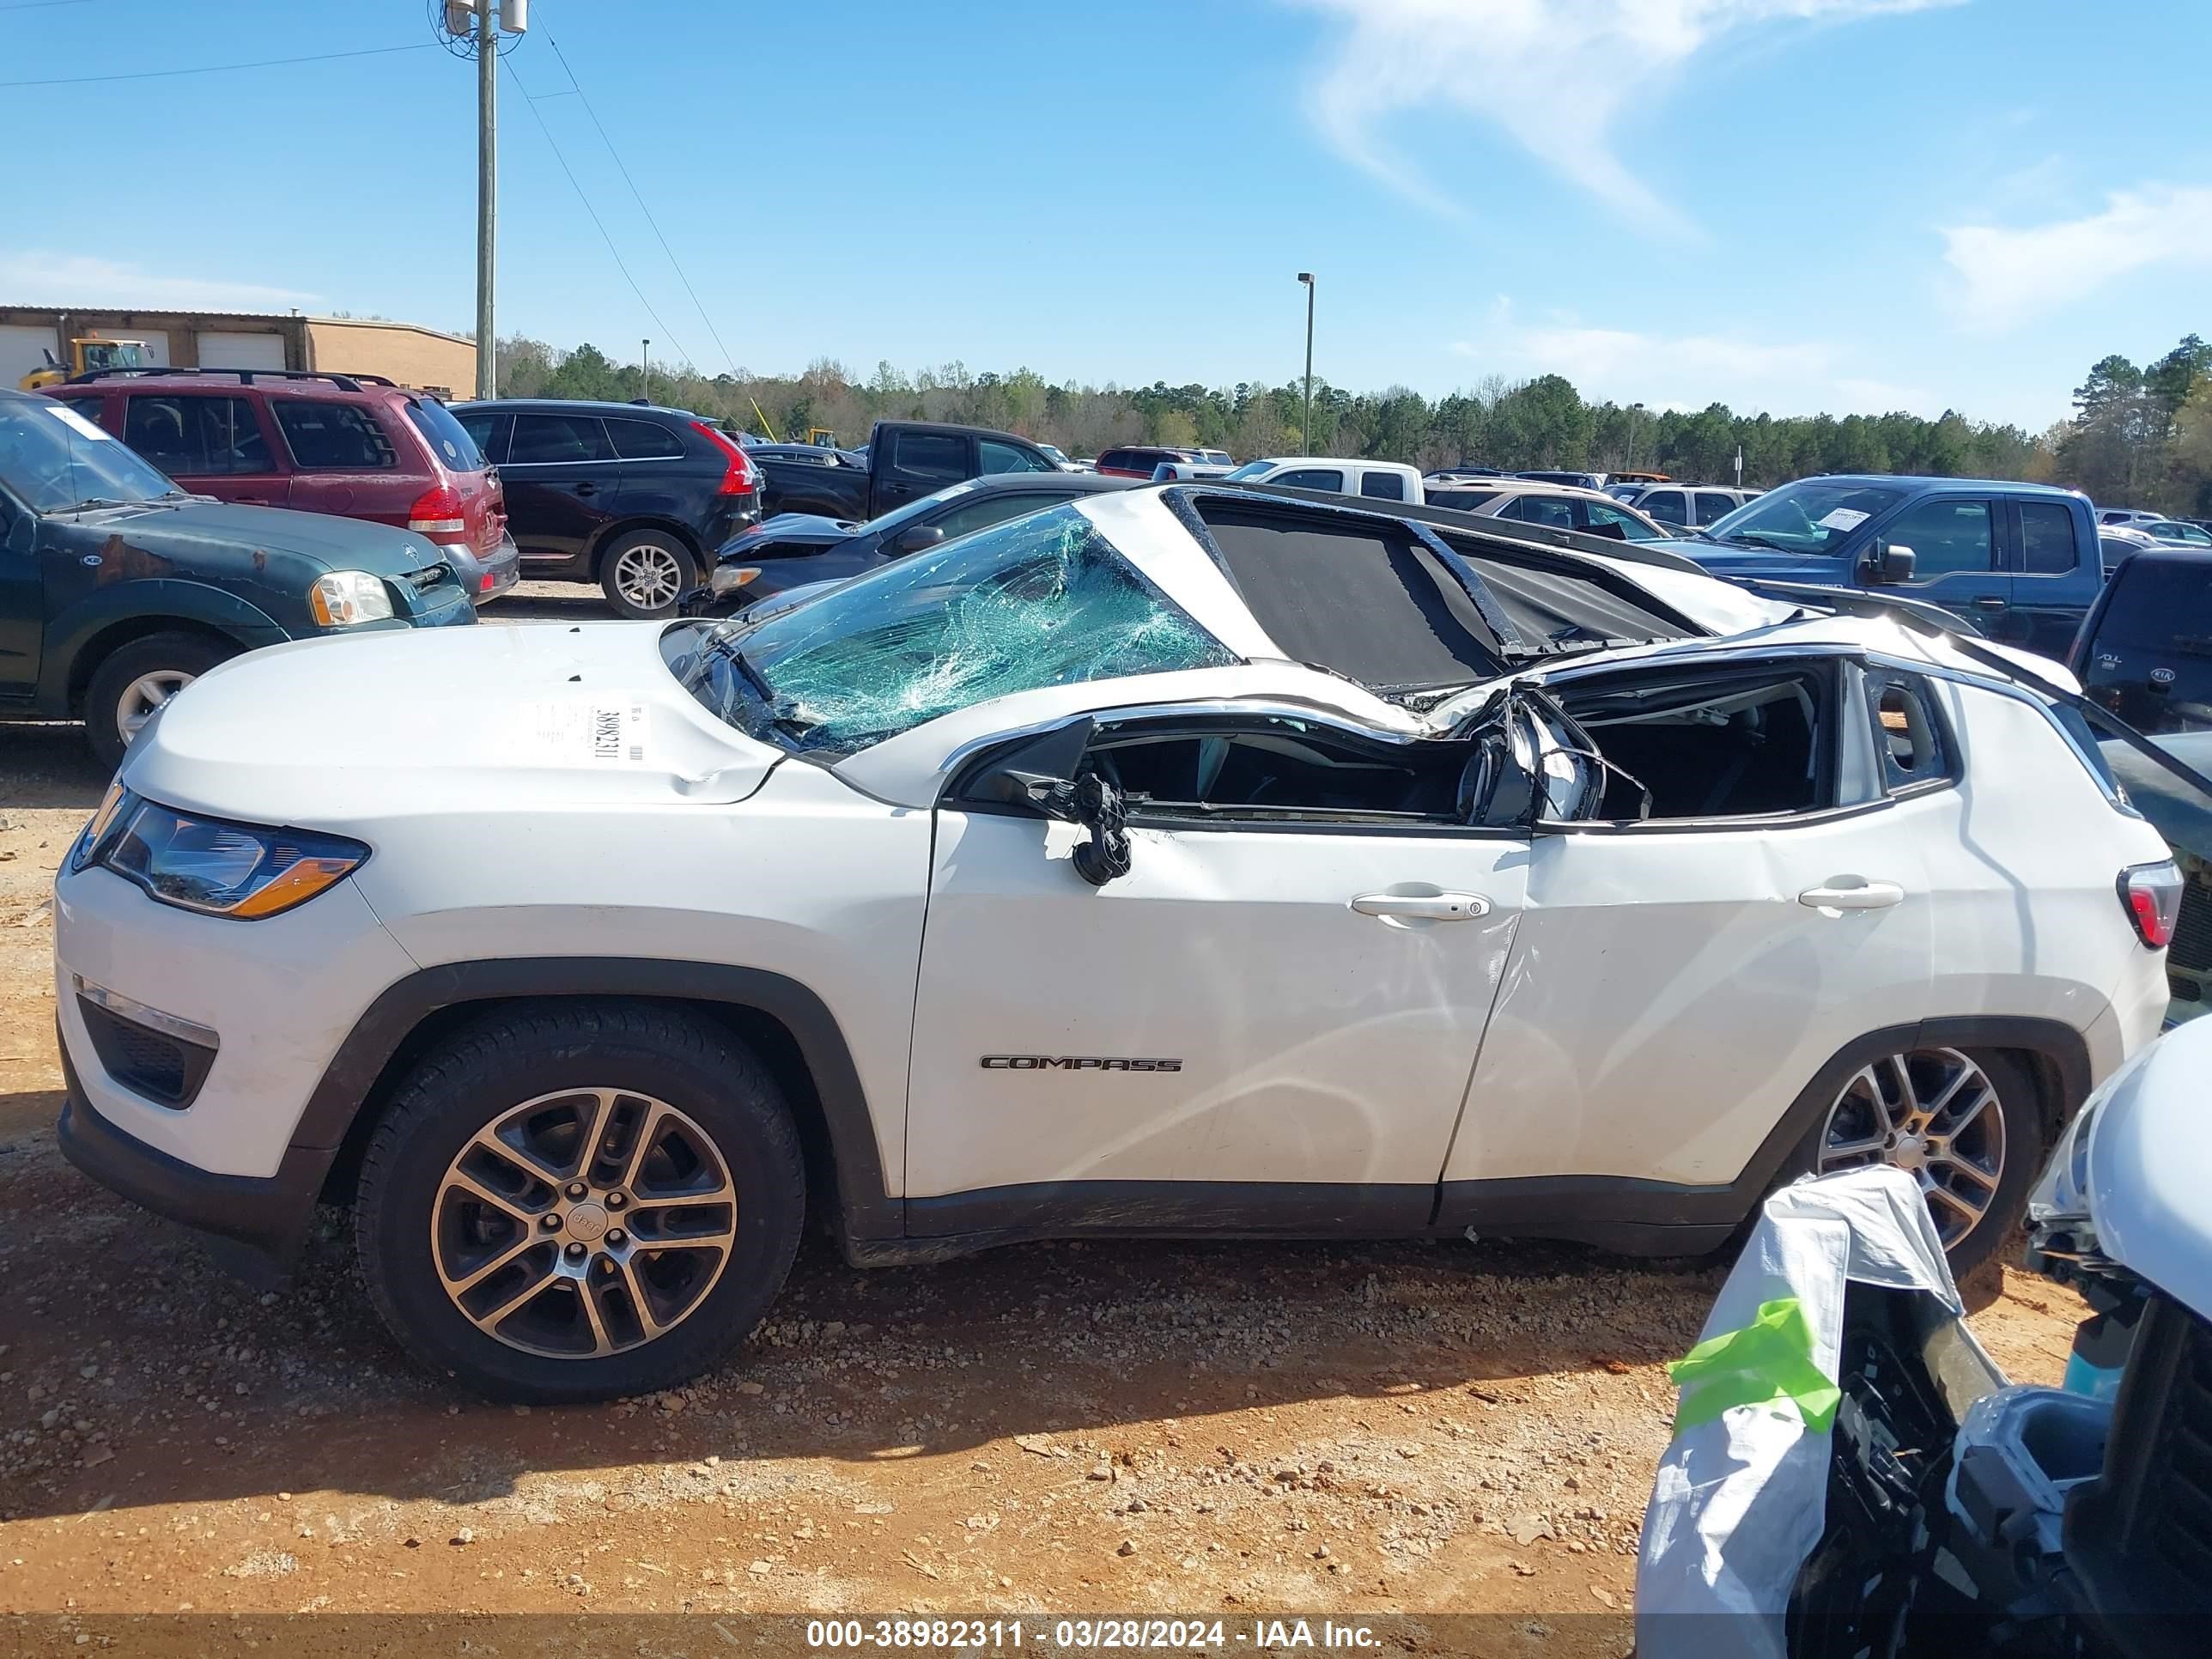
279	995
254	1225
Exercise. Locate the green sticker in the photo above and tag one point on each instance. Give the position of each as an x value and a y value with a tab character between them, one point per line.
1769	1359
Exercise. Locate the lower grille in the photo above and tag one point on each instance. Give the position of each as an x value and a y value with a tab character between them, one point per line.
2140	1539
2179	1489
164	1069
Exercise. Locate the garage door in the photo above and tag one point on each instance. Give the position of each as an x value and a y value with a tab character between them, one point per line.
222	349
22	349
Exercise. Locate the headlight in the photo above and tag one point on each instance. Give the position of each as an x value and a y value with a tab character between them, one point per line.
216	867
345	597
96	830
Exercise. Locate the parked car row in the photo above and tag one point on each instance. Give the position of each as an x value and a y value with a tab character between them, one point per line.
353	446
119	588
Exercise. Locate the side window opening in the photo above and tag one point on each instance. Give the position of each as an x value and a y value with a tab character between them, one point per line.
1749	745
1907	734
1278	769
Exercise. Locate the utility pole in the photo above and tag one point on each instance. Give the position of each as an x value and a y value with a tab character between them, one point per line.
1305	435
487	196
645	368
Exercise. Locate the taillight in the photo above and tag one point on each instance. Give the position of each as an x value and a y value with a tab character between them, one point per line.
739	477
2152	894
437	513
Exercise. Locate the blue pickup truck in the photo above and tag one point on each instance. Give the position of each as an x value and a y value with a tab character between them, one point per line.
2018	561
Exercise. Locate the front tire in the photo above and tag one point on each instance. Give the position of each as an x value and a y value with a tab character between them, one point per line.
579	1203
1966	1124
136	680
645	572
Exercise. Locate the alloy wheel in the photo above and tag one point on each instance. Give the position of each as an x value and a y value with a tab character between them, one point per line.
584	1223
1934	1114
649	576
142	699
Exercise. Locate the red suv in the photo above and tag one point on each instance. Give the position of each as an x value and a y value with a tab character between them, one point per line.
356	445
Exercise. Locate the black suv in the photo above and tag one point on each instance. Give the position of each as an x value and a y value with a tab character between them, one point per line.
631	496
117	588
2145	653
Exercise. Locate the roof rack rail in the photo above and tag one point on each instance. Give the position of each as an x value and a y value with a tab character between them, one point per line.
245	376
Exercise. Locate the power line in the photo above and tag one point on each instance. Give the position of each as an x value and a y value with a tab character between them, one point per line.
666	333
728	362
43	5
211	68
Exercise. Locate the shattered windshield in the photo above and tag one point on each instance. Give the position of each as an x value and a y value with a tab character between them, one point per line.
1041	600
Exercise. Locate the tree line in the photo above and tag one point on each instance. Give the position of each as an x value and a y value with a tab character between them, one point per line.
2139	437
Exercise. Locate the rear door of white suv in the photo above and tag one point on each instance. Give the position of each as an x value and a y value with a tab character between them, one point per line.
1680	979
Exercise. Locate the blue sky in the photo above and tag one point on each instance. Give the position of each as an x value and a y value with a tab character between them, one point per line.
1781	204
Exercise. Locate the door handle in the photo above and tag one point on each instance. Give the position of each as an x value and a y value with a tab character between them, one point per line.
587	489
1847	893
1422	906
1990	603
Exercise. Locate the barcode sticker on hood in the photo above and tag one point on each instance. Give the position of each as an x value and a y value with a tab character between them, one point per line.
595	731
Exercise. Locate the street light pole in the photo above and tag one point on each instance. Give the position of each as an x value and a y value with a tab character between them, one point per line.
645	367
1305	435
487	196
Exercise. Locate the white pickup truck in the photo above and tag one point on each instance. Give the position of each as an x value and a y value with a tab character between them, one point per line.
1382	481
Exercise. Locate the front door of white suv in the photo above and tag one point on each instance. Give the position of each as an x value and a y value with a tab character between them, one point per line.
1264	1026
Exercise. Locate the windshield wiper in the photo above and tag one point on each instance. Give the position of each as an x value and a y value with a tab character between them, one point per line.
715	643
91	503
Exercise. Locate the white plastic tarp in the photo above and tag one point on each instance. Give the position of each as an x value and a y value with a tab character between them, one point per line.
1740	1497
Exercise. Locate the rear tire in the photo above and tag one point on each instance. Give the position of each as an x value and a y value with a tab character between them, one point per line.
645	572
135	679
584	1311
1985	1162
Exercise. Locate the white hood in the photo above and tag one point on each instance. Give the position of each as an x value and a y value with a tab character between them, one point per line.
321	733
2136	1164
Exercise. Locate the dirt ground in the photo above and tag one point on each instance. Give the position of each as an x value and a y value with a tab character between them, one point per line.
1168	1427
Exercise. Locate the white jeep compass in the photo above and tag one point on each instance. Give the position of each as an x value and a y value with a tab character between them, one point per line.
1195	860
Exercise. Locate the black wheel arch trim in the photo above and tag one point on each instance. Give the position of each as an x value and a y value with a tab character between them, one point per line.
136	609
1640	1218
2065	1049
359	1068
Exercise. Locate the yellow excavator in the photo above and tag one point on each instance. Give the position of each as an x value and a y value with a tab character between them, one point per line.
87	355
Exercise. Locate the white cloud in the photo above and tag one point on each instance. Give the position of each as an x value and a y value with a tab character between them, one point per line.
42	278
1689	371
2010	277
1553	73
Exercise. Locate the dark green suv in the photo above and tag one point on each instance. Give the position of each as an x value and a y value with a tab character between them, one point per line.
116	588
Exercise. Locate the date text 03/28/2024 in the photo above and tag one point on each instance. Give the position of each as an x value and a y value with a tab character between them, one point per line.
1084	1634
